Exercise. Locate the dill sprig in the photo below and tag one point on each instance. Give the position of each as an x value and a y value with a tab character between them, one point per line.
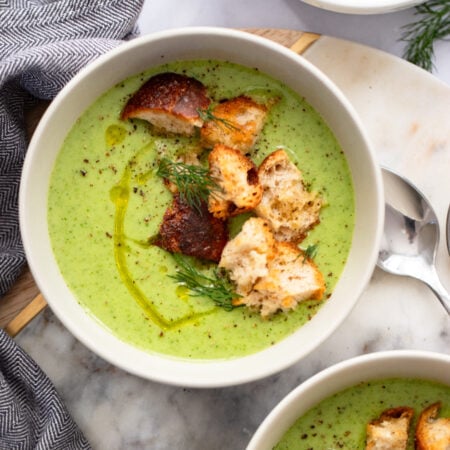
207	115
433	25
216	287
310	251
193	182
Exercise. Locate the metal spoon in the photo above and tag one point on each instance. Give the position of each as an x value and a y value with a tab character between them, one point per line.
448	230
411	235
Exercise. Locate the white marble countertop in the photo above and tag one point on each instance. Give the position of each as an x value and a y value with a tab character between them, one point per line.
381	31
116	410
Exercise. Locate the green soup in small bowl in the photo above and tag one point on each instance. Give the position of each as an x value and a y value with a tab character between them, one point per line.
332	409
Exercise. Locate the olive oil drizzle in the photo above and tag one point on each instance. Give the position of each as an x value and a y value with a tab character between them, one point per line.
120	195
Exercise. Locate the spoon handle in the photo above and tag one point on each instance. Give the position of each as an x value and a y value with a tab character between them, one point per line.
433	281
448	230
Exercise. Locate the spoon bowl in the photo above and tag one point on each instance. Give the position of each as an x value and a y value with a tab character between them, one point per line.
411	235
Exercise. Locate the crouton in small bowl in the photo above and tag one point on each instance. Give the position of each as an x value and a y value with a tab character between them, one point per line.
396	399
201	207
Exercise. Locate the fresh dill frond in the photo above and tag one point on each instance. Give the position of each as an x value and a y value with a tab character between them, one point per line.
433	25
193	182
311	251
217	287
207	115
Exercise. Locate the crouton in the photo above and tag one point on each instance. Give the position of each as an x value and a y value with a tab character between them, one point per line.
286	204
190	232
237	177
390	430
292	278
170	102
432	433
247	255
235	123
270	275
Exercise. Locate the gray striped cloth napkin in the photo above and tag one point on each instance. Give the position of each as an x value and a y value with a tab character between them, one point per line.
43	43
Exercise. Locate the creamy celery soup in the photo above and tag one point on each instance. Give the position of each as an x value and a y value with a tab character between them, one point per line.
339	421
105	203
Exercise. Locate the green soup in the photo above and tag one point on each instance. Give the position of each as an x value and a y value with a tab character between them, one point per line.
105	202
339	422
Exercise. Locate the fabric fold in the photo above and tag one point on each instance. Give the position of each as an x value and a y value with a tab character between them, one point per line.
43	44
32	414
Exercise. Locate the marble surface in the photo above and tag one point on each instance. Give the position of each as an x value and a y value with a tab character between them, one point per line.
381	31
405	111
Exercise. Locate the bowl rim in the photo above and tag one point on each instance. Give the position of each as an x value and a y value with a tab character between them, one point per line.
363	7
365	363
178	371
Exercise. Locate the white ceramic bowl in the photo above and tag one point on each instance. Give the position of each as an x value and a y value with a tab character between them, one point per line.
389	364
363	6
143	53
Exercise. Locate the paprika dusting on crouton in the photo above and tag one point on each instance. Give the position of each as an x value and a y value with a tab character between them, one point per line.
192	232
237	177
235	123
170	102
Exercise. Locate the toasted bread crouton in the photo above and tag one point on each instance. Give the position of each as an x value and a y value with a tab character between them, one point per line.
237	177
292	277
247	255
190	232
170	102
270	275
235	123
432	433
390	430
286	204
